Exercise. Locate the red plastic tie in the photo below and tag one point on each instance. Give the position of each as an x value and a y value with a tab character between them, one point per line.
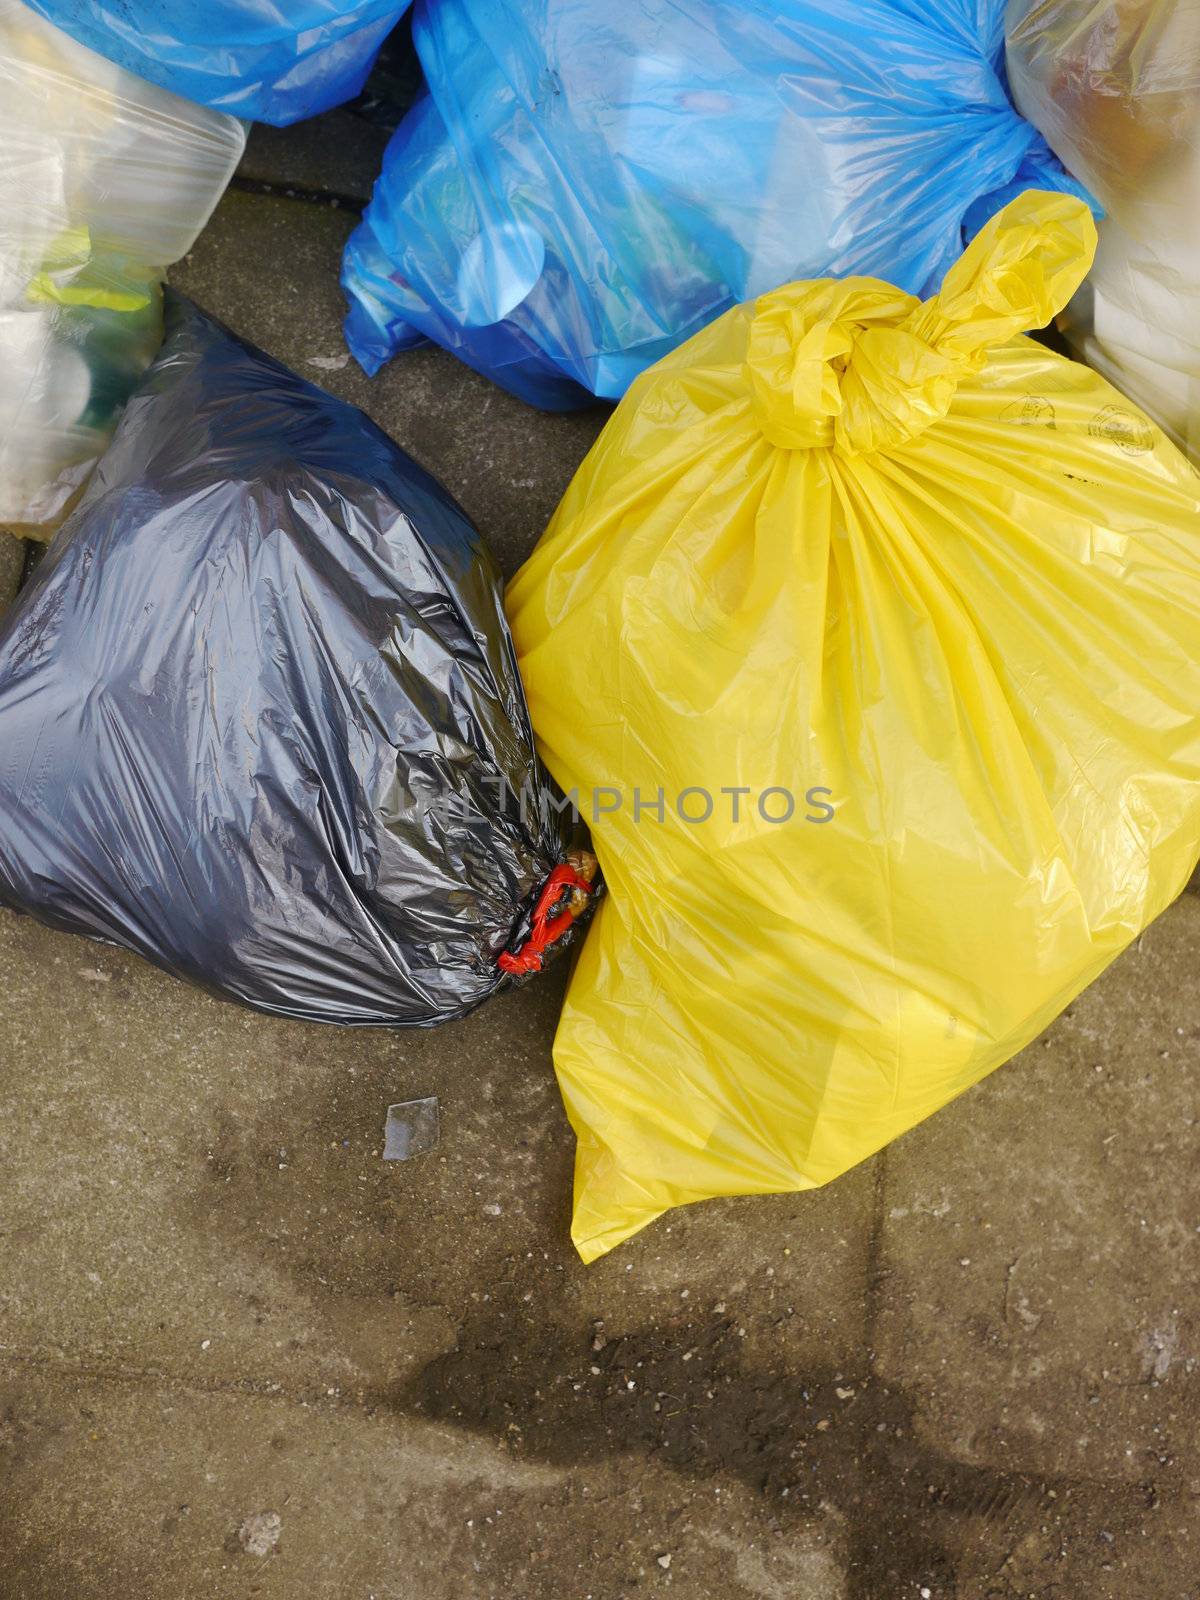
547	928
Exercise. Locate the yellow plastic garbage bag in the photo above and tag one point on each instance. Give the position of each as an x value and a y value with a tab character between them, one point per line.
869	636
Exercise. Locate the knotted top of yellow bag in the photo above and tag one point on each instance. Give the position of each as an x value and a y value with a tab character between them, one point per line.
857	365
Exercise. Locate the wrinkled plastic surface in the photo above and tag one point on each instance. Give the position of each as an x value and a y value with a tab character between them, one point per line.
846	542
586	185
104	181
257	59
257	702
1115	88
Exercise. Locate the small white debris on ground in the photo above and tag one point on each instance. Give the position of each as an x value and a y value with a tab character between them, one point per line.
259	1533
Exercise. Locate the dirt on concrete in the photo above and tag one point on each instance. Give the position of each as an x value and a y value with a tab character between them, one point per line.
240	1354
12	565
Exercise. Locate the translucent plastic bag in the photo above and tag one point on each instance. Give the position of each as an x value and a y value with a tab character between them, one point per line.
586	185
1116	90
260	715
255	58
104	181
867	636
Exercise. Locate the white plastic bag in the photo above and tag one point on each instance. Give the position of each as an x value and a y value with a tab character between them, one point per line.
104	181
1114	85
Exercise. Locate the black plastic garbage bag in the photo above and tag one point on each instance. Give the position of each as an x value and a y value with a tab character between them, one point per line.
260	716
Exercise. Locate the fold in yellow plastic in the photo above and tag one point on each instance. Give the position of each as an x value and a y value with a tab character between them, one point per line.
841	541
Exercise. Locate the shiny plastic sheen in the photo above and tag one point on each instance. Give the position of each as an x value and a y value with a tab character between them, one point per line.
1115	88
104	181
894	552
586	184
259	59
260	716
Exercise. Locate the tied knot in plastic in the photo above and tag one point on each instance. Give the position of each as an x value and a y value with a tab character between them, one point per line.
857	365
834	364
566	895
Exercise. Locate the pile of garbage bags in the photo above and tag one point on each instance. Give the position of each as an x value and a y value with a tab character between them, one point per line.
864	640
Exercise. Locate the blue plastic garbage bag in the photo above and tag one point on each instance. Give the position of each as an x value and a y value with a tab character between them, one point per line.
260	59
586	185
